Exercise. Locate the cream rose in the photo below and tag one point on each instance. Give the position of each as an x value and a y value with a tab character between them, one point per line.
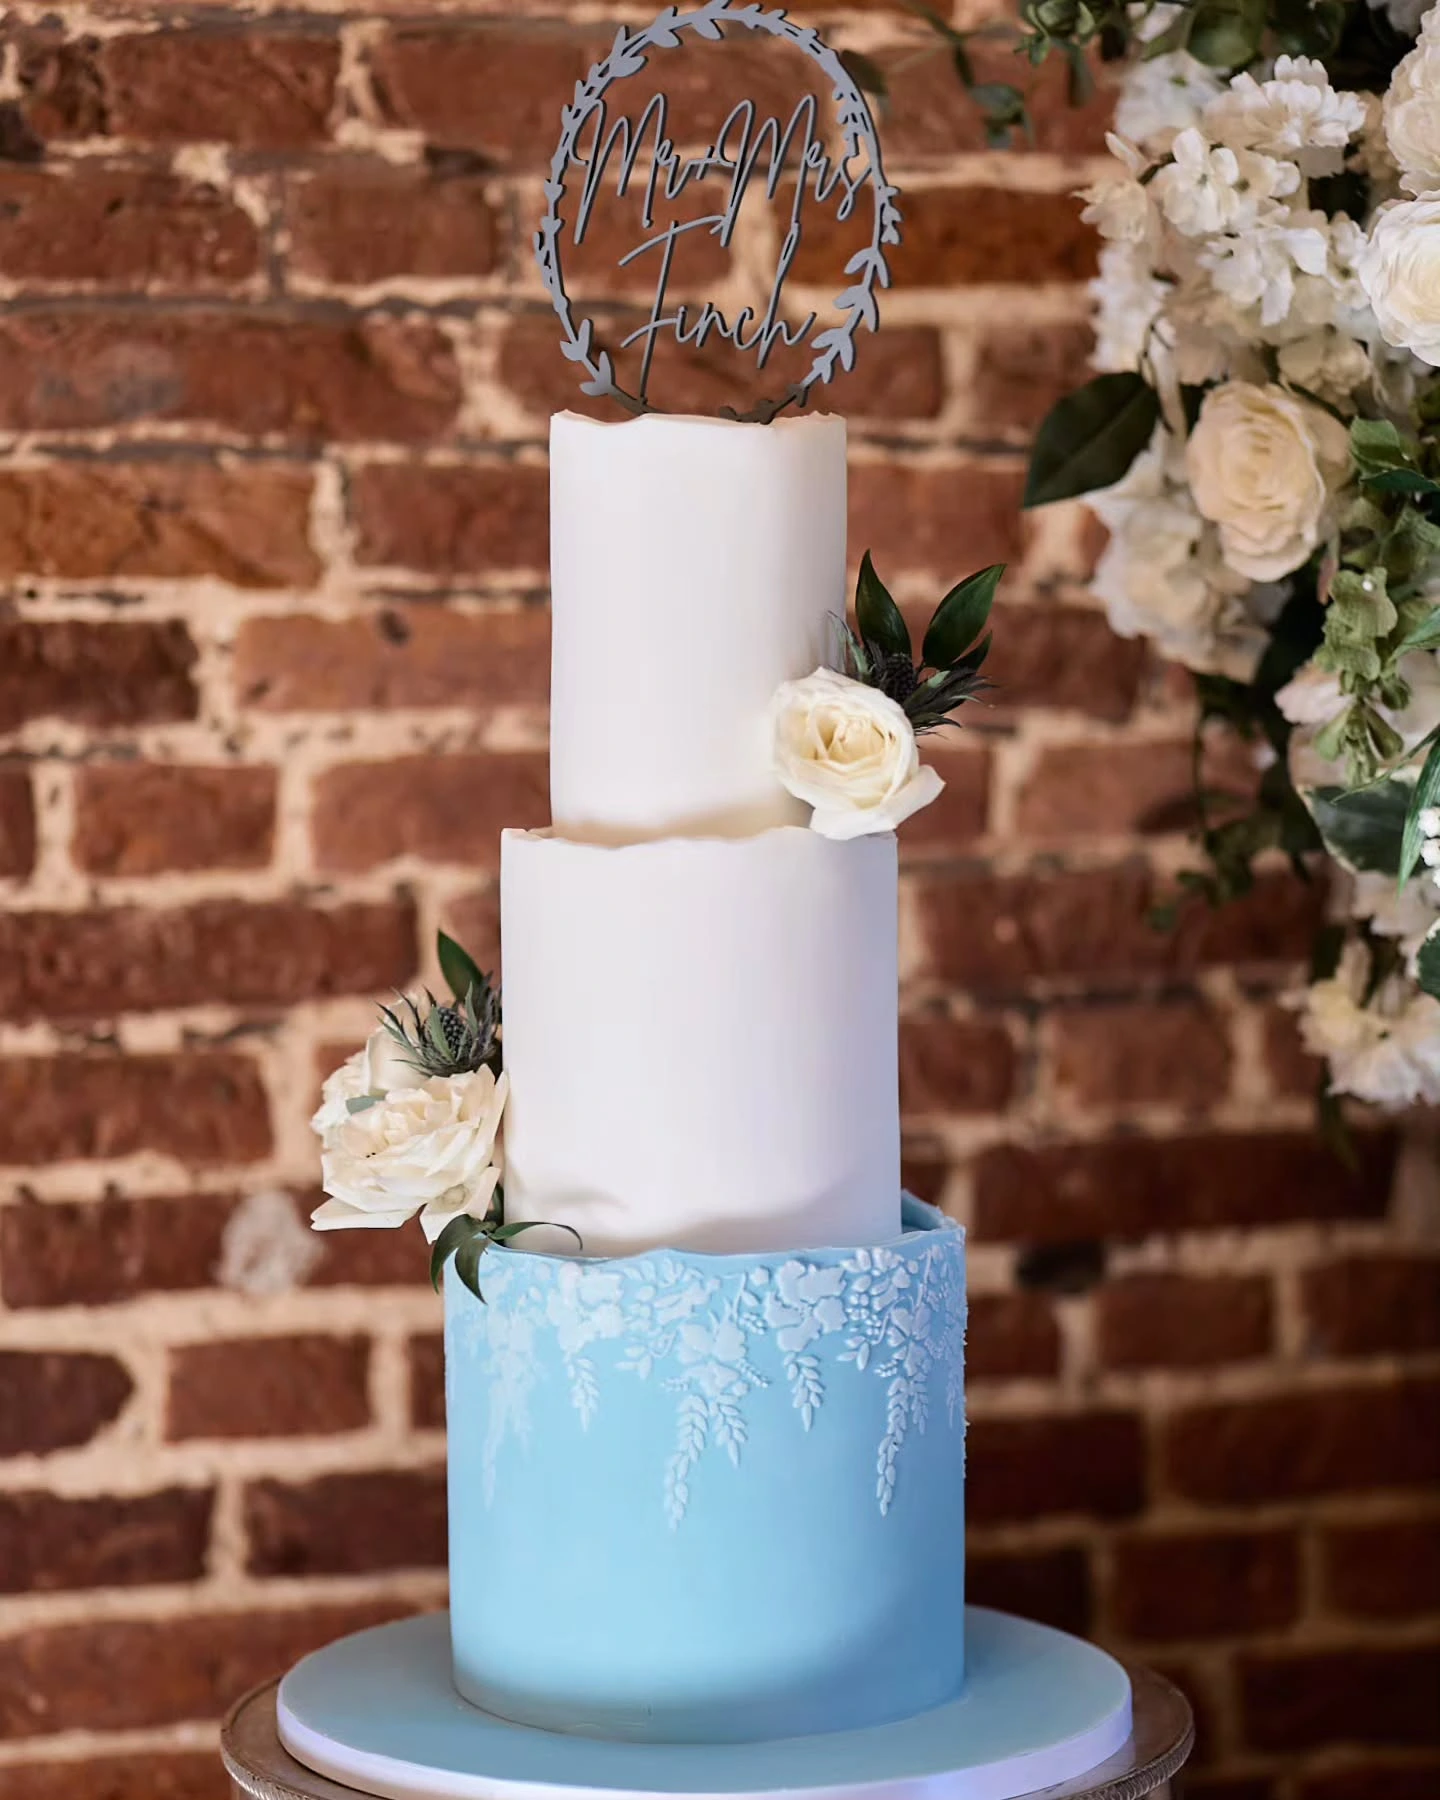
1263	466
432	1149
849	752
1412	115
1399	269
380	1068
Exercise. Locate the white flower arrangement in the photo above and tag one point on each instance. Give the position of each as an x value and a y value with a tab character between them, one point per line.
845	740
1263	443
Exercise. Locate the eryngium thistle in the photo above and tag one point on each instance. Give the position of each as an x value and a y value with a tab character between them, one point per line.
448	1040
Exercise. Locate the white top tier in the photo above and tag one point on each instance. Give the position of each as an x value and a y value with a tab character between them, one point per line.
694	563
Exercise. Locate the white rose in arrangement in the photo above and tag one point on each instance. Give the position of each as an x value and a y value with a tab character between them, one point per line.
1263	467
1412	116
1400	271
849	751
380	1068
431	1148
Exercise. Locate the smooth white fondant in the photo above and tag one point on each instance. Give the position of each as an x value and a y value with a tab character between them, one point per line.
694	563
701	1040
377	1712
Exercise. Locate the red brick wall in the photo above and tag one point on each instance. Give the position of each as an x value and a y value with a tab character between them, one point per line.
274	376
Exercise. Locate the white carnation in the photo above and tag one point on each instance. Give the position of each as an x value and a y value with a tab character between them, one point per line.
1259	268
432	1148
1412	116
1209	189
1264	466
1296	116
1400	272
849	751
1326	363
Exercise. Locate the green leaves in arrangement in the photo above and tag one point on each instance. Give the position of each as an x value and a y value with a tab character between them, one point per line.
880	655
458	966
1427	964
467	1239
1363	829
1090	438
882	624
457	1039
1426	795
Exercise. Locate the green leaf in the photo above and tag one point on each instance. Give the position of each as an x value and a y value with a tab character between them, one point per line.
456	1233
504	1233
363	1102
458	966
935	22
1426	794
1090	439
467	1262
1402	481
1427	964
879	618
865	73
1376	446
1424	635
960	617
1363	828
1225	34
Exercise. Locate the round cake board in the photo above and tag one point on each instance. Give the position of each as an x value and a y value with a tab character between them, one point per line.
377	1711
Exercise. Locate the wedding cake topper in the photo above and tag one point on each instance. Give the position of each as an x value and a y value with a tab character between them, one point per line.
747	149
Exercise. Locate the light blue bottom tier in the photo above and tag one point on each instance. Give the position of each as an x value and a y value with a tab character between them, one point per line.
709	1499
377	1711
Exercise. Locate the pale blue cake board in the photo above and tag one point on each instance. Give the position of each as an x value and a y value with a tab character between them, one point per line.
377	1711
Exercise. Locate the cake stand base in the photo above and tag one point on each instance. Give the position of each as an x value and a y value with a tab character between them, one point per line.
377	1711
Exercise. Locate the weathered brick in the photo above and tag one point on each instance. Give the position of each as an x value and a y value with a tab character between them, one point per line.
150	818
203	1107
945	522
1294	1073
1011	1335
427	1382
62	1677
924	1168
95	674
1128	1054
408	655
17	824
898	375
255	89
1367	1305
1066	658
427	79
1135	1187
931	114
1141	788
1298	1445
122	229
447	809
73	965
1387	1780
1230	1787
960	815
1163	1321
52	1399
473	919
1192	1585
1051	1585
48	1542
450	518
1303	1699
1030	1467
79	521
361	222
1018	373
996	934
1389	1569
955	1065
961	237
347	1524
251	374
143	1775
297	1386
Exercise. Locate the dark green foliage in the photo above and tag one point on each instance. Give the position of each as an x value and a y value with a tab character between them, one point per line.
1090	438
949	673
467	1239
442	1039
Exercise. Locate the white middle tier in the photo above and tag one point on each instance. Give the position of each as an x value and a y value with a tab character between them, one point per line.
701	1036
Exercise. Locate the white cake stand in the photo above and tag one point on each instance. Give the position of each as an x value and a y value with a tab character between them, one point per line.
376	1713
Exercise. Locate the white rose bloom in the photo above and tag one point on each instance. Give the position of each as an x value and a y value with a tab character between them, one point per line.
1412	116
1209	189
1400	272
1263	466
1296	116
379	1068
1163	96
849	751
430	1149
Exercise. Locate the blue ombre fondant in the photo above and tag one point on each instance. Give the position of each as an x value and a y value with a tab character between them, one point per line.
700	1498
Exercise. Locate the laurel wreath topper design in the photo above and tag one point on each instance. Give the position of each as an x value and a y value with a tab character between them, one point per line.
859	167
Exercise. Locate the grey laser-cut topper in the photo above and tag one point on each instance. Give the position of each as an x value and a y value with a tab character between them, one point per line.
736	152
